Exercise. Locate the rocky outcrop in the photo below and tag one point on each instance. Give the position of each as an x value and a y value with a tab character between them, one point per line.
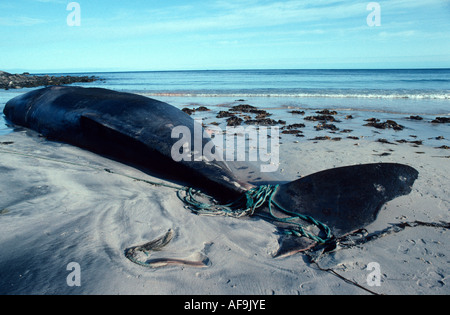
25	80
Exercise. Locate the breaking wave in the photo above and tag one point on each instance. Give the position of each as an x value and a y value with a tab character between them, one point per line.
436	96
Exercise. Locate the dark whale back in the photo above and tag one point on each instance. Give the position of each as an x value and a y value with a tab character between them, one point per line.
124	126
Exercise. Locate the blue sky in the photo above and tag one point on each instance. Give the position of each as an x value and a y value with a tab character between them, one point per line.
237	34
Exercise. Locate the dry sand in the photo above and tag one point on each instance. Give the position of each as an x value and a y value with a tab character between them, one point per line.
58	205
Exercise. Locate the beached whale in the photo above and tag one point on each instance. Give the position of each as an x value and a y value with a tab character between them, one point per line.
139	131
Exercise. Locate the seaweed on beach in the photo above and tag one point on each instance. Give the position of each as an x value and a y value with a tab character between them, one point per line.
321	118
326	126
326	112
265	122
297	112
224	114
388	124
292	126
441	120
188	111
291	132
234	121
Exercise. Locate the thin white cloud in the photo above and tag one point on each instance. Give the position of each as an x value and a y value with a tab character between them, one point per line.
230	20
52	1
20	21
222	16
232	15
402	34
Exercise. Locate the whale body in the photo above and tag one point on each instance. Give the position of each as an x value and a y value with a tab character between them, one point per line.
137	130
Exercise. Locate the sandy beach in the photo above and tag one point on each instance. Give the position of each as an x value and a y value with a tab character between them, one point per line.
60	204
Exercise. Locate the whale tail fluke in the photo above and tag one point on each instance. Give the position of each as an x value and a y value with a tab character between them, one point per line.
345	199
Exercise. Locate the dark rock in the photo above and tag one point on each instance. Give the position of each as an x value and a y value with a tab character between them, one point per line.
320	118
349	117
9	81
417	142
234	121
291	132
260	119
294	126
297	112
224	114
392	124
327	112
326	126
263	114
385	141
202	109
415	118
188	111
389	124
441	120
244	108
327	138
321	138
265	122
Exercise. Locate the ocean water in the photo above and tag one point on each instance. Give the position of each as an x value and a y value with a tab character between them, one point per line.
385	94
427	91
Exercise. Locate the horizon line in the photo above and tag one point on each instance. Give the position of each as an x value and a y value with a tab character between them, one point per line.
73	71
